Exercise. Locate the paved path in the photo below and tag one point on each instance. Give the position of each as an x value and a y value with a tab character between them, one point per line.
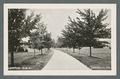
63	61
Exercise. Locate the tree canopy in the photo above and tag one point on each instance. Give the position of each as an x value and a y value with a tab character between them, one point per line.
19	26
86	29
40	38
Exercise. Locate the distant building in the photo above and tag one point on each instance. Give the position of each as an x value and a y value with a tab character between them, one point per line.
106	41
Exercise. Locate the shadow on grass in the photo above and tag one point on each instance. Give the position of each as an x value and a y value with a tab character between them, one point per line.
96	62
95	57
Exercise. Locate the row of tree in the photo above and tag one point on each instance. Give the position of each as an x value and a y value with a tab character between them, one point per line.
21	25
40	38
85	30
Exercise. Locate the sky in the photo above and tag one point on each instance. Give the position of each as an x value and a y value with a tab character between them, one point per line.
56	19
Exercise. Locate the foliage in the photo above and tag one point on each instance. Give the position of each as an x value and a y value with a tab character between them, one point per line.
86	29
48	40
19	26
15	18
40	38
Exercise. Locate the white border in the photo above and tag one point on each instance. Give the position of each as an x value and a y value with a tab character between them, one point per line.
62	72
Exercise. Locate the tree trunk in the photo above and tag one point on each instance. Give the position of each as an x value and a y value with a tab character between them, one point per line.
41	51
73	50
79	50
67	49
90	51
48	48
34	52
12	59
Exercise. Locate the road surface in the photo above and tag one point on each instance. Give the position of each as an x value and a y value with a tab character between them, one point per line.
63	61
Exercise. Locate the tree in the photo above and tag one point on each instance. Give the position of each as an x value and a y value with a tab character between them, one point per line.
53	43
60	42
18	27
93	27
33	40
15	18
41	38
29	24
72	36
86	29
48	40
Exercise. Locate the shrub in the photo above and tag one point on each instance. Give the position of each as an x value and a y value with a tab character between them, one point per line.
20	49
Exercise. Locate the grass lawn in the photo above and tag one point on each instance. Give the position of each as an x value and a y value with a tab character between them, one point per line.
100	60
27	61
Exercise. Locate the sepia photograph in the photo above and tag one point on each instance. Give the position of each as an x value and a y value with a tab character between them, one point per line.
59	39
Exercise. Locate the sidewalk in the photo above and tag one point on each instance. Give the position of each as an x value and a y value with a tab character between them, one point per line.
63	61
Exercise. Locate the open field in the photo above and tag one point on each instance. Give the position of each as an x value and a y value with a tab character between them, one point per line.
100	60
27	61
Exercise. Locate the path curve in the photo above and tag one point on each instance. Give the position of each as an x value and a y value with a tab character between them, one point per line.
63	61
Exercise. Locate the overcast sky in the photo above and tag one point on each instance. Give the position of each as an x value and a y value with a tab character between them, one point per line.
56	19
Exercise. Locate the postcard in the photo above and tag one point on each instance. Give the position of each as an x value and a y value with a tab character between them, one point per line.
59	39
